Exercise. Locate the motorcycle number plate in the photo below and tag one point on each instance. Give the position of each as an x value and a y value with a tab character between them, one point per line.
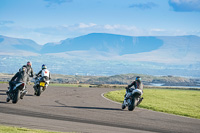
42	83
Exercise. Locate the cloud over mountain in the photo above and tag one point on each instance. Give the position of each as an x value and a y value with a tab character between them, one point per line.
185	5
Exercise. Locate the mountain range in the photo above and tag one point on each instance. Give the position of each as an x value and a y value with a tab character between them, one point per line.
111	43
108	54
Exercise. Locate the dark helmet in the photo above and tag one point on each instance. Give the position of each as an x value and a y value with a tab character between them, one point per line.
20	69
44	66
29	63
23	69
138	78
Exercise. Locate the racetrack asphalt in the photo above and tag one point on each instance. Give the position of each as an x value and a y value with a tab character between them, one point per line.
70	109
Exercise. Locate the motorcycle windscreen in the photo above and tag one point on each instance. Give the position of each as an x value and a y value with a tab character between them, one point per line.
42	84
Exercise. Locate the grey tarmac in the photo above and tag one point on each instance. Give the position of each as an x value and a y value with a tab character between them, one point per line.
70	109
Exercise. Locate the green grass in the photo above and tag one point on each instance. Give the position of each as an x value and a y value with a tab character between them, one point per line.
179	102
2	82
7	129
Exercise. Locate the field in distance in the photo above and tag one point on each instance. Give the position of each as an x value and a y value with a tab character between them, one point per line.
122	79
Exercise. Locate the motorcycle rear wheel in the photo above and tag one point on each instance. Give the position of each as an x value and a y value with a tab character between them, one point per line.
131	107
15	97
39	90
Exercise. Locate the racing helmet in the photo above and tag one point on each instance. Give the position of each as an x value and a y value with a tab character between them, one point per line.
23	69
29	63
138	78
44	66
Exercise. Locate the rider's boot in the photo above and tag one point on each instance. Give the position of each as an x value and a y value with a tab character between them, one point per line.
124	104
44	88
8	98
140	100
34	89
7	92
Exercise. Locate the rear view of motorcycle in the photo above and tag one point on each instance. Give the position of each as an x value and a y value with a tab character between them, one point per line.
132	99
40	85
18	91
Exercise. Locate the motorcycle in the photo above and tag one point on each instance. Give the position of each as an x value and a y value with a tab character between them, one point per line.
40	85
132	99
17	92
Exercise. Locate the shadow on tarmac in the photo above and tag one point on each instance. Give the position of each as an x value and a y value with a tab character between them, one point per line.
79	107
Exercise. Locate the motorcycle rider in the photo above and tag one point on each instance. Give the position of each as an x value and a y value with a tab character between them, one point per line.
29	70
20	76
137	84
44	74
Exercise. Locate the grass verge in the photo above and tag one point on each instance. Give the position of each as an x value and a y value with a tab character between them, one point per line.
178	102
8	129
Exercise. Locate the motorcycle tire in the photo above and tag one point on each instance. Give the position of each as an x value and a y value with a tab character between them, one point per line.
15	97
131	107
39	91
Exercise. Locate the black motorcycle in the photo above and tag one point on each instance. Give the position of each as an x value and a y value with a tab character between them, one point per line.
133	99
40	85
18	91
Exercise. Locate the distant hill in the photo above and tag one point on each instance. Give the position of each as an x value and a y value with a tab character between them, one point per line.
163	49
175	50
16	45
118	44
160	49
106	54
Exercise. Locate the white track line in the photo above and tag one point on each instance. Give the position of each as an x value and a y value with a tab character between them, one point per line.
109	99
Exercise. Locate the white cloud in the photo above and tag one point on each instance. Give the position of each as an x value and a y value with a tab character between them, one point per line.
119	27
82	25
112	27
158	30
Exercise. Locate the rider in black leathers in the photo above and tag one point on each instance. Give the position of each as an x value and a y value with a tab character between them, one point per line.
20	76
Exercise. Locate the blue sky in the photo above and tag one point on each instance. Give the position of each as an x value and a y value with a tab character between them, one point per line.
54	20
